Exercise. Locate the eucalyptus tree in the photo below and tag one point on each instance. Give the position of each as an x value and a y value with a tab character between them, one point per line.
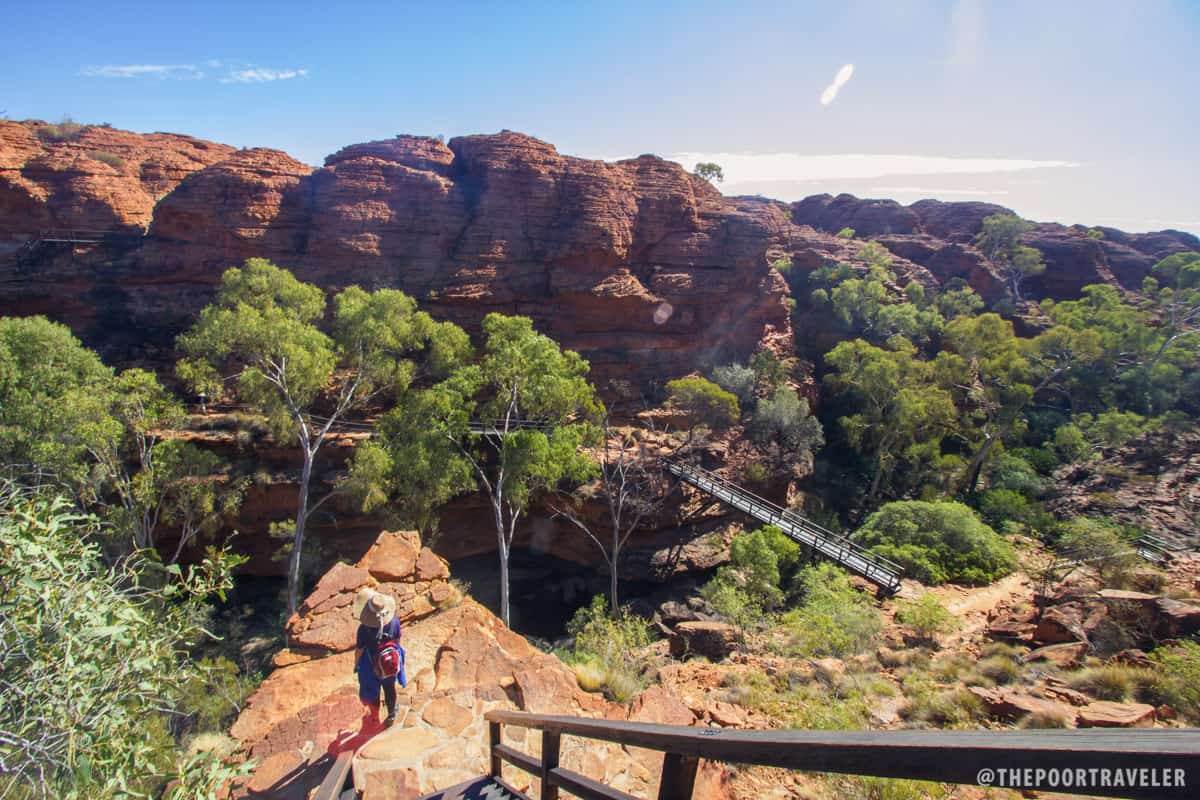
1000	242
261	341
513	422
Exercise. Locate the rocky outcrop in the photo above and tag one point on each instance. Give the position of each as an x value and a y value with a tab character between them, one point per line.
939	236
461	662
91	177
713	640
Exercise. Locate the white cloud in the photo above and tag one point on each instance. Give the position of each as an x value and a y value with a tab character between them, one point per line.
841	79
765	167
966	29
263	75
177	71
930	191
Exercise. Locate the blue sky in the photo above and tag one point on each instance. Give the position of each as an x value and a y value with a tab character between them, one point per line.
1071	111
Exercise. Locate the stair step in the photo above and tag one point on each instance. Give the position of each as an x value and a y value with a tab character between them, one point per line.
482	788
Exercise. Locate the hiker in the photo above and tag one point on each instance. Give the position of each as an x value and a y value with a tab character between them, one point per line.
378	656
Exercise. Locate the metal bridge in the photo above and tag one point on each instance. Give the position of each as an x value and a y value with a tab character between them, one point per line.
28	250
838	549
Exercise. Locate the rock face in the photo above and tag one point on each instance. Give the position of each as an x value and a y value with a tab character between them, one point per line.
636	264
713	640
462	661
90	177
939	237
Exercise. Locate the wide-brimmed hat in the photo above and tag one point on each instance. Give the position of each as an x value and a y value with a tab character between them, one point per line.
375	609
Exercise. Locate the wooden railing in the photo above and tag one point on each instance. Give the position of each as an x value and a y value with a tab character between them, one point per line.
962	757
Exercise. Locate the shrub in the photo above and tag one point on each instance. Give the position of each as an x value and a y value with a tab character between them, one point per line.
706	402
64	131
1070	443
1105	545
605	654
742	591
846	233
783	264
1178	678
784	418
835	619
945	708
756	473
997	670
938	542
112	159
1110	682
926	617
738	380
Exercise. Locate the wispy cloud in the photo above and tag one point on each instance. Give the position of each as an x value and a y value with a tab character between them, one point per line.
841	79
233	73
263	75
183	72
966	30
931	191
764	167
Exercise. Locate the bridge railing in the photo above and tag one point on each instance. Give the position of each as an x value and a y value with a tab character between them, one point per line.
840	549
961	757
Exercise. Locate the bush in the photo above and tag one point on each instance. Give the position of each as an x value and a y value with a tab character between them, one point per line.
1106	545
706	402
937	542
846	233
64	131
742	591
1000	507
1110	682
1178	678
784	418
835	619
996	670
945	708
605	654
112	159
738	380
926	617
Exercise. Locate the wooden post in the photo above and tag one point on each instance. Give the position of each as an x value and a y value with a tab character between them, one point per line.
493	743
678	776
550	742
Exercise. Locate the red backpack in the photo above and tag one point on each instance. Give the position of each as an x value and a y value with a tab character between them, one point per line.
387	661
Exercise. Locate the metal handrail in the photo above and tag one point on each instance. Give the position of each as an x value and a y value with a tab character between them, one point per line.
876	568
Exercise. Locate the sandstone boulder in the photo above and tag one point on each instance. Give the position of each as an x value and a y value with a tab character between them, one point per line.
1067	655
1010	704
714	640
1177	618
1108	714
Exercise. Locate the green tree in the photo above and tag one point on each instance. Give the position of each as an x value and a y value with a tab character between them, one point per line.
1000	242
705	402
260	340
94	662
900	407
783	422
752	584
938	542
737	379
48	382
709	171
833	618
535	406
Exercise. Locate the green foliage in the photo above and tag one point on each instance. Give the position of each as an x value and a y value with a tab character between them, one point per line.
1105	545
898	407
926	617
1000	242
737	379
425	452
833	619
605	654
1070	443
1016	473
65	131
769	370
1112	429
783	264
752	584
704	401
938	542
105	157
945	708
845	233
95	661
783	421
1178	669
999	507
1116	682
709	171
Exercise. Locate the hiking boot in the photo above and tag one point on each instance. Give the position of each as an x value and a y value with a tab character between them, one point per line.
390	719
